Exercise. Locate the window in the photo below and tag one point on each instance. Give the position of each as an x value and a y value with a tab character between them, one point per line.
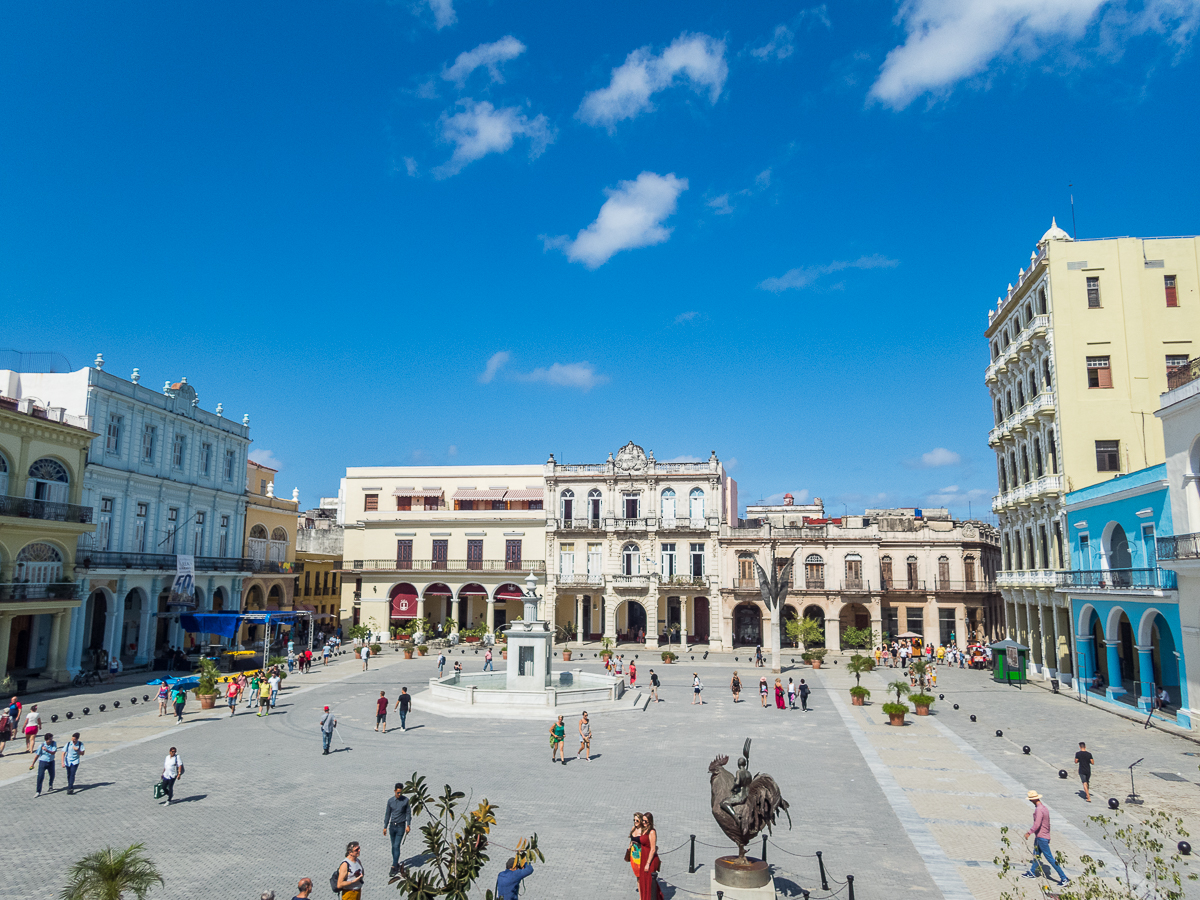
943	572
595	506
307	584
205	459
230	459
1085	552
696	506
697	551
1093	291
403	504
566	561
1053	455
172	528
177	452
370	502
139	531
814	572
969	572
1174	361
1024	465
633	505
404	554
104	526
112	440
148	435
1108	456
224	521
499	504
885	572
667	507
595	562
475	554
746	573
440	553
1046	373
198	535
911	569
512	554
566	505
1037	457
667	567
1169	285
1020	395
631	560
1041	307
431	503
1099	374
262	487
223	547
854	571
1043	548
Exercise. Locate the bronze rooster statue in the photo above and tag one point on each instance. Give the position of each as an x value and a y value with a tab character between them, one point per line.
744	805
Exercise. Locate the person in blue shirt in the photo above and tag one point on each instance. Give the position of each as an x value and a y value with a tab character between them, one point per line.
72	754
44	758
508	882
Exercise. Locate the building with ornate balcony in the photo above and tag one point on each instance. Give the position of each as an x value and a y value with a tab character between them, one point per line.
892	571
632	546
1079	347
270	545
450	544
162	479
42	458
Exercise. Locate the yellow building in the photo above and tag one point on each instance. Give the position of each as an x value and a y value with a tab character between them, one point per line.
1080	350
42	457
318	587
270	543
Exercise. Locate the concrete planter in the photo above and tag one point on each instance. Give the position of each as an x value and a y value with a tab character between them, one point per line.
207	701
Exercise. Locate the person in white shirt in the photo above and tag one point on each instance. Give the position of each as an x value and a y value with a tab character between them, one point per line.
366	655
172	772
274	681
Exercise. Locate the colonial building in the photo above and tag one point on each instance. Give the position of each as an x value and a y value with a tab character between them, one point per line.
42	457
1080	348
164	478
319	542
633	546
270	542
892	571
446	543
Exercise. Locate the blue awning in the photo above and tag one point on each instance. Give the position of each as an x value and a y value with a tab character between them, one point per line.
226	624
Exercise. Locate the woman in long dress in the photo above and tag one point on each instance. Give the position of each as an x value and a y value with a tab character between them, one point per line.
779	693
648	871
634	853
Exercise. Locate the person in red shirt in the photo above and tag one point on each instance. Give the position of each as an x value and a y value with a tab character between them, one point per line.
381	706
307	660
1040	830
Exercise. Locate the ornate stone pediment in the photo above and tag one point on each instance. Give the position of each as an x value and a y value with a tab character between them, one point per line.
631	458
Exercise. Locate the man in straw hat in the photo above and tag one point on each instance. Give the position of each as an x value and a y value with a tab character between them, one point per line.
1041	836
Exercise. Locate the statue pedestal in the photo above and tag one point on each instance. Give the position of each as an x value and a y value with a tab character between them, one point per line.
748	880
764	892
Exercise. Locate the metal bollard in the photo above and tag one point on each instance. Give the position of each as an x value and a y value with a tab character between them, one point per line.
692	857
764	854
824	880
850	882
720	895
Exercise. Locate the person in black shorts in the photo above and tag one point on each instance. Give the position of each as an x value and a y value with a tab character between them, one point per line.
654	686
1084	760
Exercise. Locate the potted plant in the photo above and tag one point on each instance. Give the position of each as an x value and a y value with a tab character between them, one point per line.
407	647
805	631
895	711
858	664
922	702
669	657
422	649
206	688
376	649
814	657
566	654
606	645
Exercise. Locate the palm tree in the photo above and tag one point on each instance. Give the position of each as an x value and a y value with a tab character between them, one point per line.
900	687
920	668
858	664
110	875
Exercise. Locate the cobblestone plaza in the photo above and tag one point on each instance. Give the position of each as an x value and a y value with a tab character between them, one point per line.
909	812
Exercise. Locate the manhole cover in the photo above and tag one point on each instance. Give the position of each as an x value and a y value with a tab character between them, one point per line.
1169	776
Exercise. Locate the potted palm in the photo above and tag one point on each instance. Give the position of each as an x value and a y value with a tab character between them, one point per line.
895	711
606	645
814	657
112	873
859	664
407	647
206	687
805	631
921	700
669	657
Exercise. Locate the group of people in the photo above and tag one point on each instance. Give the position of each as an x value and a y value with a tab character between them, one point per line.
643	857
260	689
558	739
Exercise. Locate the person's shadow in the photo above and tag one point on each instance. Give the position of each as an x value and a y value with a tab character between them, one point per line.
194	798
80	788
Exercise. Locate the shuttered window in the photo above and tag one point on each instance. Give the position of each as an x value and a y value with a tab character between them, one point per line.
1169	285
370	502
1093	291
1108	456
1099	373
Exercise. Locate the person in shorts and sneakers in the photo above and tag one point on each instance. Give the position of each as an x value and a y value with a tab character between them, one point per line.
381	712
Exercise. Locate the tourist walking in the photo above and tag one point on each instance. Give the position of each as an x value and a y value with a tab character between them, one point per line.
72	755
163	691
791	692
381	712
654	686
328	723
441	663
252	693
558	733
397	821
264	698
366	656
6	728
735	687
632	674
231	695
697	687
304	889
650	862
275	682
1041	835
33	724
487	660
44	759
178	700
325	654
779	693
763	690
172	772
758	657
804	691
1084	760
350	875
585	737
403	705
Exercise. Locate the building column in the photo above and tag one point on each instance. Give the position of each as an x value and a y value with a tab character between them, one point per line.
1115	686
56	651
1085	663
144	648
683	621
933	625
5	632
960	625
110	626
1144	686
420	607
491	615
833	633
1041	642
610	619
579	635
1057	673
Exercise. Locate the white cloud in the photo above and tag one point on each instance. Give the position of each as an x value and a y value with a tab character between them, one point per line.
684	458
452	450
443	13
940	456
721	205
631	217
479	129
699	58
582	375
494	364
265	457
799	497
780	45
410	166
488	55
806	275
686	317
763	179
952	496
731	463
947	41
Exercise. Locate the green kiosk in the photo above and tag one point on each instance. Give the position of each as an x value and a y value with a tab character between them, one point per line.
1010	660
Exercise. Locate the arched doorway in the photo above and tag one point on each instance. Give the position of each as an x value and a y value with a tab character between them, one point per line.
1120	559
93	623
700	614
747	625
817	614
508	604
1126	654
438	602
635	622
162	631
274	597
789	614
1164	663
403	600
854	615
132	626
472	605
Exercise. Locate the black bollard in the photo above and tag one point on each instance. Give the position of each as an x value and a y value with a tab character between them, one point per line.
70	715
941	696
54	718
133	700
764	852
692	857
1025	749
850	884
145	698
999	733
821	865
956	706
972	718
1113	802
1185	848
720	895
101	707
116	704
1062	773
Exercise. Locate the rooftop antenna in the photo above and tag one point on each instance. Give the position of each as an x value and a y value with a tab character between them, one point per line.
1074	233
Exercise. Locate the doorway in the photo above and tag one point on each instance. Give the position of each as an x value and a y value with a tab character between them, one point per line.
747	625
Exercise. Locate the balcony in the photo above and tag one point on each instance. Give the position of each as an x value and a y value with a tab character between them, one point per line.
1185	374
446	565
642	524
15	593
579	578
1118	580
1179	546
970	586
105	559
1024	494
632	582
1027	578
577	524
22	508
703	523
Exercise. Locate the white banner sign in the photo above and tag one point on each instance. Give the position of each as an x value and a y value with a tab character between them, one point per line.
1013	658
183	589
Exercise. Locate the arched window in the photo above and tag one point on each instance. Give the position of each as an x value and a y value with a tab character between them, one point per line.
885	572
1052	455
911	569
1008	402
1041	307
48	481
3	476
943	573
1037	457
258	543
1012	468
814	572
1046	373
279	542
668	507
1020	394
1024	464
854	571
279	534
566	505
1003	476
999	411
696	503
1007	553
631	560
1033	391
38	563
595	506
258	533
969	572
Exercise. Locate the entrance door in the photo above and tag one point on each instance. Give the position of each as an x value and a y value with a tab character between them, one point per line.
512	555
747	626
636	617
585	628
474	554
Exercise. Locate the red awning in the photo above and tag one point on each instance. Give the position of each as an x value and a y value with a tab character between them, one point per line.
404	602
472	494
525	494
509	592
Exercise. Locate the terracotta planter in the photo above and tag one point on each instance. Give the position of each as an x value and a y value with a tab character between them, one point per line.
408	654
856	701
922	710
207	701
566	656
420	653
504	654
472	639
816	663
896	718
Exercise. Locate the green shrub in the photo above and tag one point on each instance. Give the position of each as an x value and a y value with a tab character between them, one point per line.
895	709
376	649
668	656
859	691
209	673
810	655
922	699
423	648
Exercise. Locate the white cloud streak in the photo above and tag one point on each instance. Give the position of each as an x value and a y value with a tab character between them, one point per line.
265	457
495	363
698	58
631	217
479	129
947	41
581	375
780	45
686	317
443	13
804	276
488	56
937	457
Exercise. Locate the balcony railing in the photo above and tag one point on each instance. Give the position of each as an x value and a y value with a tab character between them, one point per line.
446	565
1027	578
580	578
632	581
745	584
590	524
15	593
679	578
639	524
682	523
1179	546
107	559
24	508
1118	579
1181	375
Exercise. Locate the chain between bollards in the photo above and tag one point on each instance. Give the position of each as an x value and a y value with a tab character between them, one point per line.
850	882
692	857
821	864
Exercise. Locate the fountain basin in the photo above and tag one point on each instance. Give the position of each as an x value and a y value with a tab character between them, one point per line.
490	689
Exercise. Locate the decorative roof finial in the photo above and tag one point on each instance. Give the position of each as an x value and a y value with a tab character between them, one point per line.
99	363
246	420
136	376
296	495
220	411
167	386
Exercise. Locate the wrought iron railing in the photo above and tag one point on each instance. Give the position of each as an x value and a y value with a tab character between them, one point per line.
446	565
1181	375
1118	579
1179	546
15	593
108	559
25	508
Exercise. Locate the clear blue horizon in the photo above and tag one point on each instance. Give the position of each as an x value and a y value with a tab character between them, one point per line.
456	232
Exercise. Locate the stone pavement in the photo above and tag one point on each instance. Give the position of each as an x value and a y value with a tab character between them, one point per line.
910	812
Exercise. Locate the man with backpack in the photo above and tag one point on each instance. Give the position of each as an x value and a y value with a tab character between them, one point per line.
348	879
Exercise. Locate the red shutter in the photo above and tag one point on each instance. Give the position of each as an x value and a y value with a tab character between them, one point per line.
1172	297
1105	376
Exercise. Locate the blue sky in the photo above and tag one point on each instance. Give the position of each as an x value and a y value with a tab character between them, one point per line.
458	231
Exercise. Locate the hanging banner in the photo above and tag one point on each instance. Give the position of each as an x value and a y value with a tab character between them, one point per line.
1013	658
183	588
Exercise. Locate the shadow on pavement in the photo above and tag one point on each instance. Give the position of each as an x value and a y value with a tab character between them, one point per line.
80	788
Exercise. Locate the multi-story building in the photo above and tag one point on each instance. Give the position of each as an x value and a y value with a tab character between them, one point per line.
270	541
633	546
319	542
446	543
164	479
892	571
42	458
1080	350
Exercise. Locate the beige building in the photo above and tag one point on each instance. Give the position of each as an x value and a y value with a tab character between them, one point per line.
319	541
633	546
270	542
889	570
1080	350
447	543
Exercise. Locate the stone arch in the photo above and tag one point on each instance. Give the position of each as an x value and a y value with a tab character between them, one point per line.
402	601
219	599
637	618
279	533
258	532
256	598
1112	623
509	591
39	562
1084	621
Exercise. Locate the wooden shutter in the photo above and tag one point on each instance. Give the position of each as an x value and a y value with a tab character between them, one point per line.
1105	377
